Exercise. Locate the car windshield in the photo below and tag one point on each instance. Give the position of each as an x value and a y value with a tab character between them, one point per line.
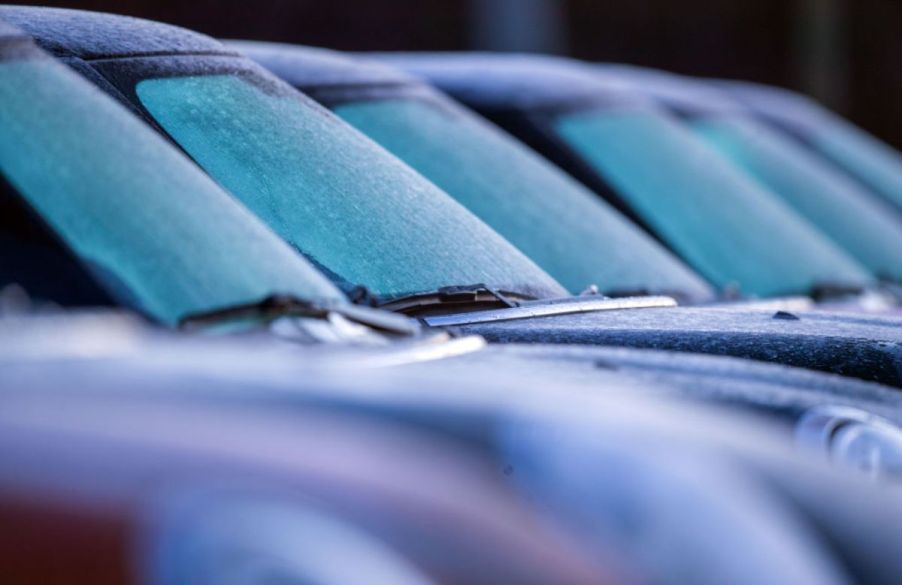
829	200
156	232
356	211
731	230
874	163
564	228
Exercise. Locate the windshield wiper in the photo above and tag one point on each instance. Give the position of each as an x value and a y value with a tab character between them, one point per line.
466	297
277	306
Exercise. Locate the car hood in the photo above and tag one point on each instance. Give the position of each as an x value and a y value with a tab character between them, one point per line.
861	346
36	343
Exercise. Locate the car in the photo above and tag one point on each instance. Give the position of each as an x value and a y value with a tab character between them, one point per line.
873	163
159	420
568	231
137	209
349	206
730	229
829	199
827	413
143	488
111	224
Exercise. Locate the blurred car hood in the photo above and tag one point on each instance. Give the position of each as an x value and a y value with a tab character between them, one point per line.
516	414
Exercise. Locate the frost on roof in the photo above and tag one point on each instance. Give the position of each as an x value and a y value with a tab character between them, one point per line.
93	35
309	66
676	92
789	107
490	79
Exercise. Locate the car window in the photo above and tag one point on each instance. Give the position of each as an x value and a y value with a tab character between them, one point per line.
159	234
564	228
351	207
722	223
829	200
871	161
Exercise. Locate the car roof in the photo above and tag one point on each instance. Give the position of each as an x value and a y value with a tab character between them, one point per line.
94	35
494	80
684	95
795	110
303	66
10	33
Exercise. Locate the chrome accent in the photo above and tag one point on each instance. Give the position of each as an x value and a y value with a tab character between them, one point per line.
532	309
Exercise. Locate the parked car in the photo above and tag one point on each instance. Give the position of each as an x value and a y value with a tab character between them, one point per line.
130	221
163	490
318	313
568	231
829	199
875	164
146	247
306	171
145	423
834	415
137	454
730	229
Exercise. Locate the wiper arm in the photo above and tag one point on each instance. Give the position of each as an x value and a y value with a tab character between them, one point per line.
473	296
277	306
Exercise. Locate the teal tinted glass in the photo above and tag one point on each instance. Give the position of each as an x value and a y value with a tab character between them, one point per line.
835	205
153	228
564	228
357	211
876	164
731	230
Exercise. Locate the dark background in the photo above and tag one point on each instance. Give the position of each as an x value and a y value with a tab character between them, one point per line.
846	53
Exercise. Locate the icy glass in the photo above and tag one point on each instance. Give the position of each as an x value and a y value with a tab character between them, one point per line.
158	233
565	229
358	212
731	230
876	164
826	198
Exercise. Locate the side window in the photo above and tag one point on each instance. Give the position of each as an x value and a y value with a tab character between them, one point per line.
32	257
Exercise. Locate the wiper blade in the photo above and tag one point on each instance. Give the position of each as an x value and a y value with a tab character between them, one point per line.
277	306
473	296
